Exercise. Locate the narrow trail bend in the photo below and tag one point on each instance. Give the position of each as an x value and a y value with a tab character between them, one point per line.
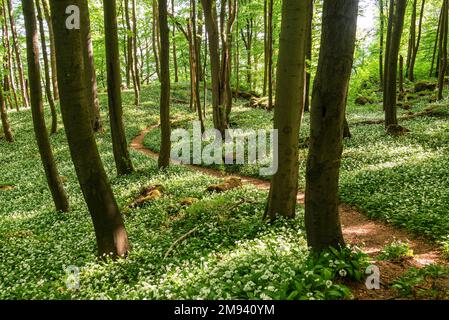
358	229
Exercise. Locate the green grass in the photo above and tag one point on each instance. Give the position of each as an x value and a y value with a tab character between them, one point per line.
403	180
231	255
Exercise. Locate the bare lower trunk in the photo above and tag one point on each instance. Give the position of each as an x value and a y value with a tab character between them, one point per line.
112	239
120	146
51	102
164	156
54	75
16	47
443	49
4	117
290	87
90	73
37	109
327	124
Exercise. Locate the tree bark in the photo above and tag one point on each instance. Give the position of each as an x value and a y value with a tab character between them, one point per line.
210	13
16	47
308	59
90	73
327	124
8	60
175	57
135	46
436	44
270	52
4	117
396	24
411	72
443	49
54	73
290	87
112	239
37	109
164	156
381	44
51	102
412	39
120	146
155	38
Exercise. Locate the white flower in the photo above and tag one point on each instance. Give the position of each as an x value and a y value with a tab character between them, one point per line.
342	273
328	283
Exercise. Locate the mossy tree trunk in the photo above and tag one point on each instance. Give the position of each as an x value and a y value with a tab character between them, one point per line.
112	239
290	88
37	109
327	123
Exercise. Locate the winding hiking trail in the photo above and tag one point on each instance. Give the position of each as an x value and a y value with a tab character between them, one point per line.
358	229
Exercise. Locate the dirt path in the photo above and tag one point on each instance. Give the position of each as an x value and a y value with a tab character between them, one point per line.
370	235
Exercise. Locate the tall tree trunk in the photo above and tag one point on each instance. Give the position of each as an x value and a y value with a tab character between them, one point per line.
196	67
112	239
164	156
227	58
8	59
51	102
37	109
412	39
135	46
270	53
397	13
290	87
327	124
210	13
4	117
90	73
54	72
16	47
436	44
120	146
309	59
443	49
175	58
411	72
265	49
155	37
381	44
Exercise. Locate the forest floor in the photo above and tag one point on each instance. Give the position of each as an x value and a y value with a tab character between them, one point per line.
188	243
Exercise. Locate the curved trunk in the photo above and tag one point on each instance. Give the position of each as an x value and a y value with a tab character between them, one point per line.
37	109
110	230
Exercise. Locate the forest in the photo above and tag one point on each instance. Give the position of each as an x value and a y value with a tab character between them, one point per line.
224	150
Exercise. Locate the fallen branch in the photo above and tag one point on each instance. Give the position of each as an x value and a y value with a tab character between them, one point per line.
181	239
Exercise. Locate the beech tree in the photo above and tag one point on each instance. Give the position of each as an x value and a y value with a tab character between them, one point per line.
4	117
327	117
290	86
443	48
37	109
394	34
120	145
51	102
164	156
112	239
